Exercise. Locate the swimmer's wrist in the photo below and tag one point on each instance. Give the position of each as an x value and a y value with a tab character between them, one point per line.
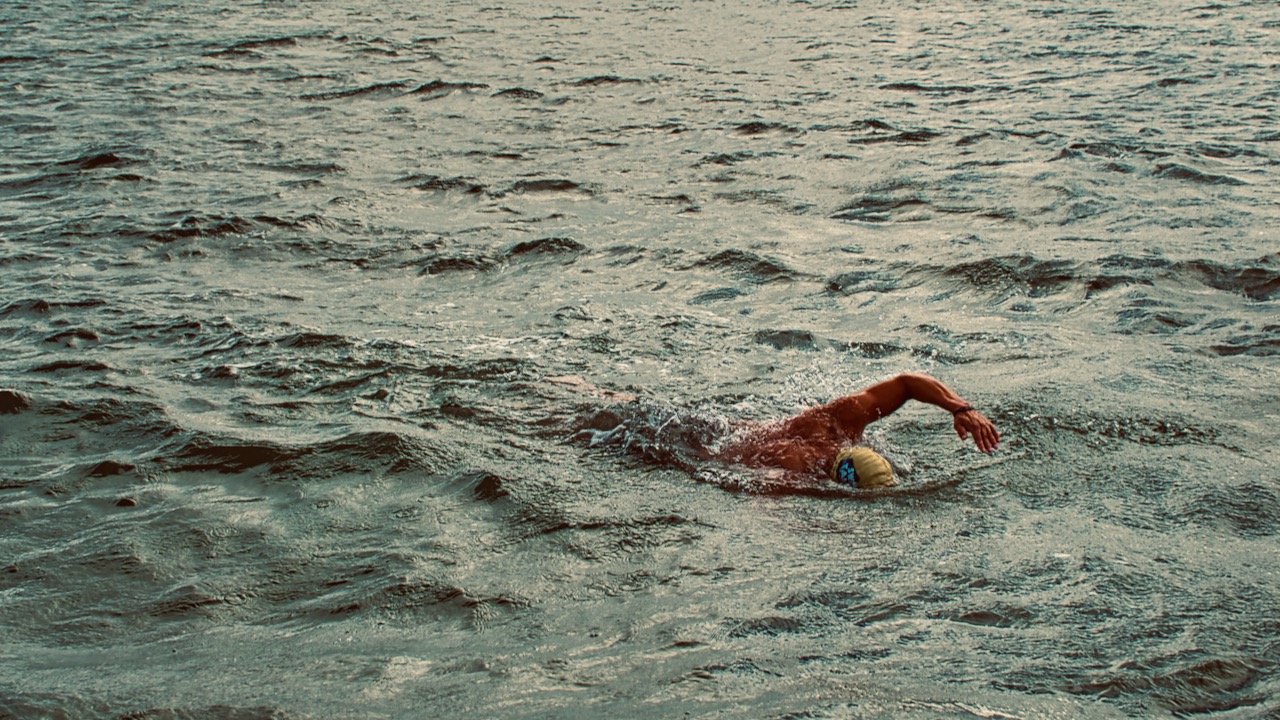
962	409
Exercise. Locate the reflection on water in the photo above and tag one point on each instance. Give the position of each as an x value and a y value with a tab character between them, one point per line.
286	290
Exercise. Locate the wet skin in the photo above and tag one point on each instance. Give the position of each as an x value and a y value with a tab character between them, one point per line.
809	441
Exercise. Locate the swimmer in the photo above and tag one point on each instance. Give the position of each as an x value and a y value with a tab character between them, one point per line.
824	439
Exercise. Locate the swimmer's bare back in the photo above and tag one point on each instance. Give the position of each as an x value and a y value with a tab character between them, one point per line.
809	440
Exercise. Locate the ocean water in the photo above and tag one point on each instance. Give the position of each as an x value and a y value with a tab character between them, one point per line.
285	288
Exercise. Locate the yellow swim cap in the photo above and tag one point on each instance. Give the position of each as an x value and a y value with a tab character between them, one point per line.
862	467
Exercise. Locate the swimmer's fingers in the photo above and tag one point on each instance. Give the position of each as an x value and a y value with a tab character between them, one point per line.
984	433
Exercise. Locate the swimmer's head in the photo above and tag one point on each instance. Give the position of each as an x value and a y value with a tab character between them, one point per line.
862	467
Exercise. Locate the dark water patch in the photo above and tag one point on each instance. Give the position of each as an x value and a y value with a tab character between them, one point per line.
772	625
103	424
749	266
314	341
1174	171
861	126
875	350
68	174
860	281
1000	616
193	601
1224	152
230	342
790	340
628	255
899	137
604	80
1264	342
876	611
436	183
248	46
549	186
43	182
1121	168
1257	281
375	90
717	295
1016	274
24	258
518	93
199	226
306	221
478	369
209	455
313	376
726	158
463	263
573	312
772	198
304	168
69	366
690	205
485	486
560	248
742	667
95	160
382	48
765	197
412	600
1112	150
180	330
440	88
805	340
1247	510
359	453
1191	682
877	210
110	468
973	139
37	306
765	128
929	89
1147	316
351	384
13	402
1122	270
73	338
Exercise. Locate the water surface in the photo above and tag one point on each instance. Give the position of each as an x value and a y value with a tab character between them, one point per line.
282	286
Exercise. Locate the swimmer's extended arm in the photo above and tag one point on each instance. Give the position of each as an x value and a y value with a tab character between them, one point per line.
883	399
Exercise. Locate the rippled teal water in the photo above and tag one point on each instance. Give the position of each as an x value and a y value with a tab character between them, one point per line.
282	285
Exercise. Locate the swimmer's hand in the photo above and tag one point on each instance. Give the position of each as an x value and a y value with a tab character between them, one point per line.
971	422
